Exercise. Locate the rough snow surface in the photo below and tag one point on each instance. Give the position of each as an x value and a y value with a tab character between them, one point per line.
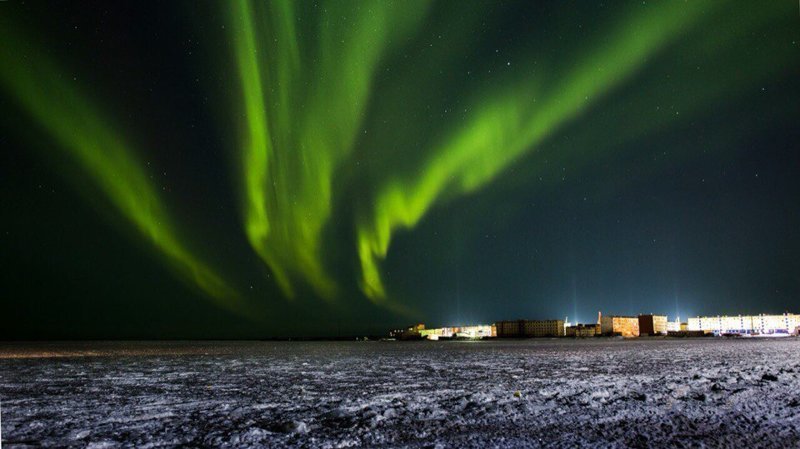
535	393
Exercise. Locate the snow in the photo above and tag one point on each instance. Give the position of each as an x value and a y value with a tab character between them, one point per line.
535	393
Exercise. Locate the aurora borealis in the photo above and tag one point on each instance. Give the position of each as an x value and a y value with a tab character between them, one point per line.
247	169
101	154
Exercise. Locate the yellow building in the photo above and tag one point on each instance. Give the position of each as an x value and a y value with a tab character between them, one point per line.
583	330
653	325
627	326
407	333
530	328
544	328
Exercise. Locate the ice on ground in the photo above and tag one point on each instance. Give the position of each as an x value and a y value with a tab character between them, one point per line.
535	393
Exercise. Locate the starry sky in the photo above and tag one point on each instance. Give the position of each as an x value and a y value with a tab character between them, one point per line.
247	169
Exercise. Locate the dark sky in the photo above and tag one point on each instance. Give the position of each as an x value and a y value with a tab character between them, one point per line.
246	170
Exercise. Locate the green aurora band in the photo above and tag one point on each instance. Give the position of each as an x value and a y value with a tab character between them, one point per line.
304	100
511	120
520	116
102	156
333	129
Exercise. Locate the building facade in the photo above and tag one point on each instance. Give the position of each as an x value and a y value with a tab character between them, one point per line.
626	326
674	326
477	331
785	324
583	330
408	333
653	325
530	328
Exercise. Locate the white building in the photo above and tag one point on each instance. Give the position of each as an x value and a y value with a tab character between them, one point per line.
478	331
674	326
776	324
785	324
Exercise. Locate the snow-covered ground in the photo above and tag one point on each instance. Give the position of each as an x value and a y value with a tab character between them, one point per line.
551	393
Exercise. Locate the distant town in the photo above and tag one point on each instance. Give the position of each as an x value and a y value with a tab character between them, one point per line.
787	324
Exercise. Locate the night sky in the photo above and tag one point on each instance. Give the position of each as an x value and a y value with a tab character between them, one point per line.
242	169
